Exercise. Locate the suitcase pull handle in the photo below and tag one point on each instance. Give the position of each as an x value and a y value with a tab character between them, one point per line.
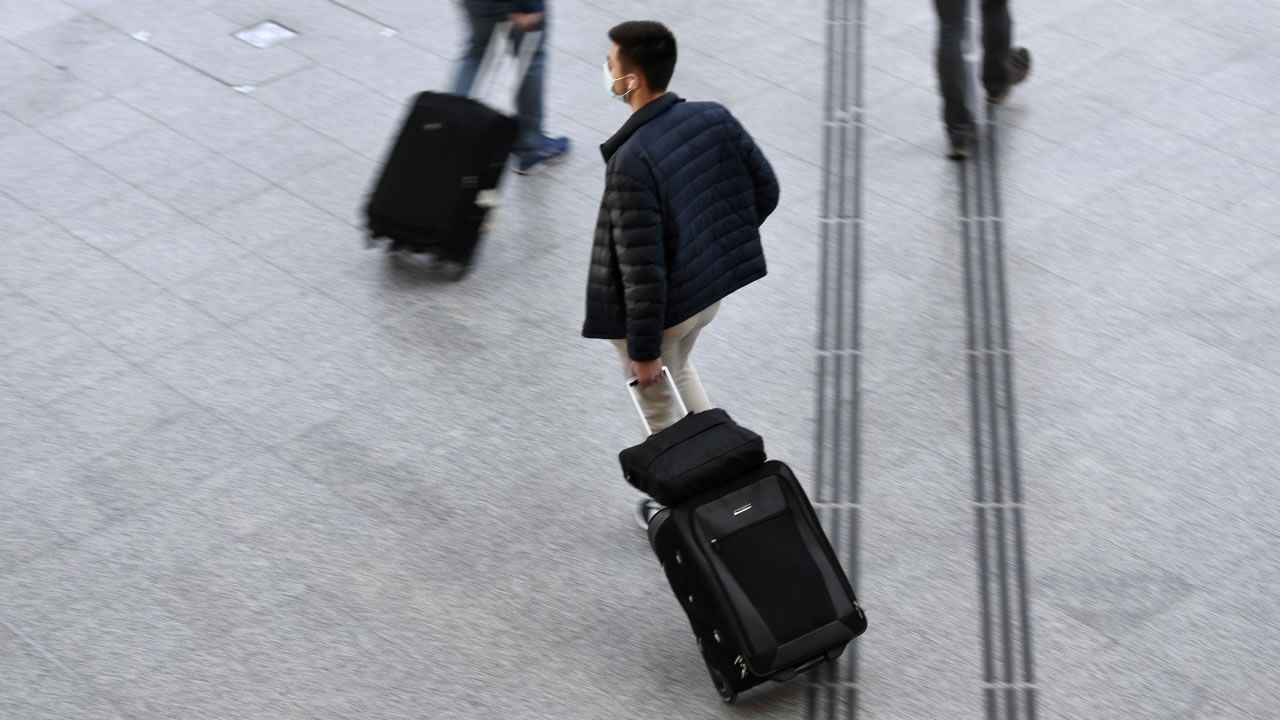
633	383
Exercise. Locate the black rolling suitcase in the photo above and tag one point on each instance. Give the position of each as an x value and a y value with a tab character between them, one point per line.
755	573
440	178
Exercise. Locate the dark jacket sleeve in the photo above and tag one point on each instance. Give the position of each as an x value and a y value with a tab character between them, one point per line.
528	6
635	219
762	176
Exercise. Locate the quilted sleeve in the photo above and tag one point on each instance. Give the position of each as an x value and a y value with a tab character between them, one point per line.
636	222
762	175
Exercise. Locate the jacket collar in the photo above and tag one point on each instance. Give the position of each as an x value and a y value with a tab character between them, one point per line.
636	121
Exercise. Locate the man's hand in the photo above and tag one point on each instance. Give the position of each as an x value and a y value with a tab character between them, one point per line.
526	21
647	373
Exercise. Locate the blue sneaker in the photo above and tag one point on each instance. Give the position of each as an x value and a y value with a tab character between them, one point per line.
552	149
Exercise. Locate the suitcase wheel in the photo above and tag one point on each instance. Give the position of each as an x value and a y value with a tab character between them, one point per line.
455	270
722	686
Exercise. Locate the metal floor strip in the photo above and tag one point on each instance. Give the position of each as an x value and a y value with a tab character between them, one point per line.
832	689
1008	680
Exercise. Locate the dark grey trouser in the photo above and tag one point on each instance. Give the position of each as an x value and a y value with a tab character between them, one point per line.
953	77
483	16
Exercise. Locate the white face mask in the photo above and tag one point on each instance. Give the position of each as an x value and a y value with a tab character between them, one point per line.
610	80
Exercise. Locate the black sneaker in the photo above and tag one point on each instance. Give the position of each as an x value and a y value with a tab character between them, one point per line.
1019	69
645	511
958	147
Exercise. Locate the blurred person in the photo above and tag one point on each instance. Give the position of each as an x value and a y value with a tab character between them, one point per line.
1002	66
534	151
686	190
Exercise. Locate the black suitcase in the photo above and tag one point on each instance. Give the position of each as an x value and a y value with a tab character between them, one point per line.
450	149
441	175
754	571
748	560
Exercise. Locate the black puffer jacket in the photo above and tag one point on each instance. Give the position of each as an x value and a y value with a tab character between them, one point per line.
686	189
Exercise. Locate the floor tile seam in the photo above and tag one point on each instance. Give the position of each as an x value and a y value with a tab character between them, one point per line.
1162	660
327	165
78	156
52	272
75	543
79	105
1157	247
1159	180
70	542
348	75
221	544
1195	22
65	670
1137	310
17	81
75	332
371	513
362	14
302	118
236	253
144	369
139	188
210	153
309	61
1201	592
235	421
162	51
318	286
1155	181
1133	383
1158	321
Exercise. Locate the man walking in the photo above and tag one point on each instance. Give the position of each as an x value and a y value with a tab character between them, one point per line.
686	190
533	150
1002	66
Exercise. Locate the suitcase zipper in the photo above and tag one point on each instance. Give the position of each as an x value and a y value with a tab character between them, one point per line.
785	510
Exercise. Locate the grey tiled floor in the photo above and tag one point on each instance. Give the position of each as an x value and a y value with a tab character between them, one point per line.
250	470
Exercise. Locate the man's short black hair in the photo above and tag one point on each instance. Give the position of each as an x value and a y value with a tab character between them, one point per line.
649	48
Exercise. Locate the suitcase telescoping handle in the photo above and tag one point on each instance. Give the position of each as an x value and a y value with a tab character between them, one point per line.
632	385
486	73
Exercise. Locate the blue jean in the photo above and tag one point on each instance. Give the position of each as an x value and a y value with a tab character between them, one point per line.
484	16
953	76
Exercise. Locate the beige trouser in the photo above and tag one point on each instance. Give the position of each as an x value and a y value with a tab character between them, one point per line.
660	409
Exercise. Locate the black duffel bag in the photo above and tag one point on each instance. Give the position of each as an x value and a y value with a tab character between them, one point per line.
697	453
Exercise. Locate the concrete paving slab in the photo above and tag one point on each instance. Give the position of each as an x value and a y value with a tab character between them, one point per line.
26	152
48	92
96	125
37	687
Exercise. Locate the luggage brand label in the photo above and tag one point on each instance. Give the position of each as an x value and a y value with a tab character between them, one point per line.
742	509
